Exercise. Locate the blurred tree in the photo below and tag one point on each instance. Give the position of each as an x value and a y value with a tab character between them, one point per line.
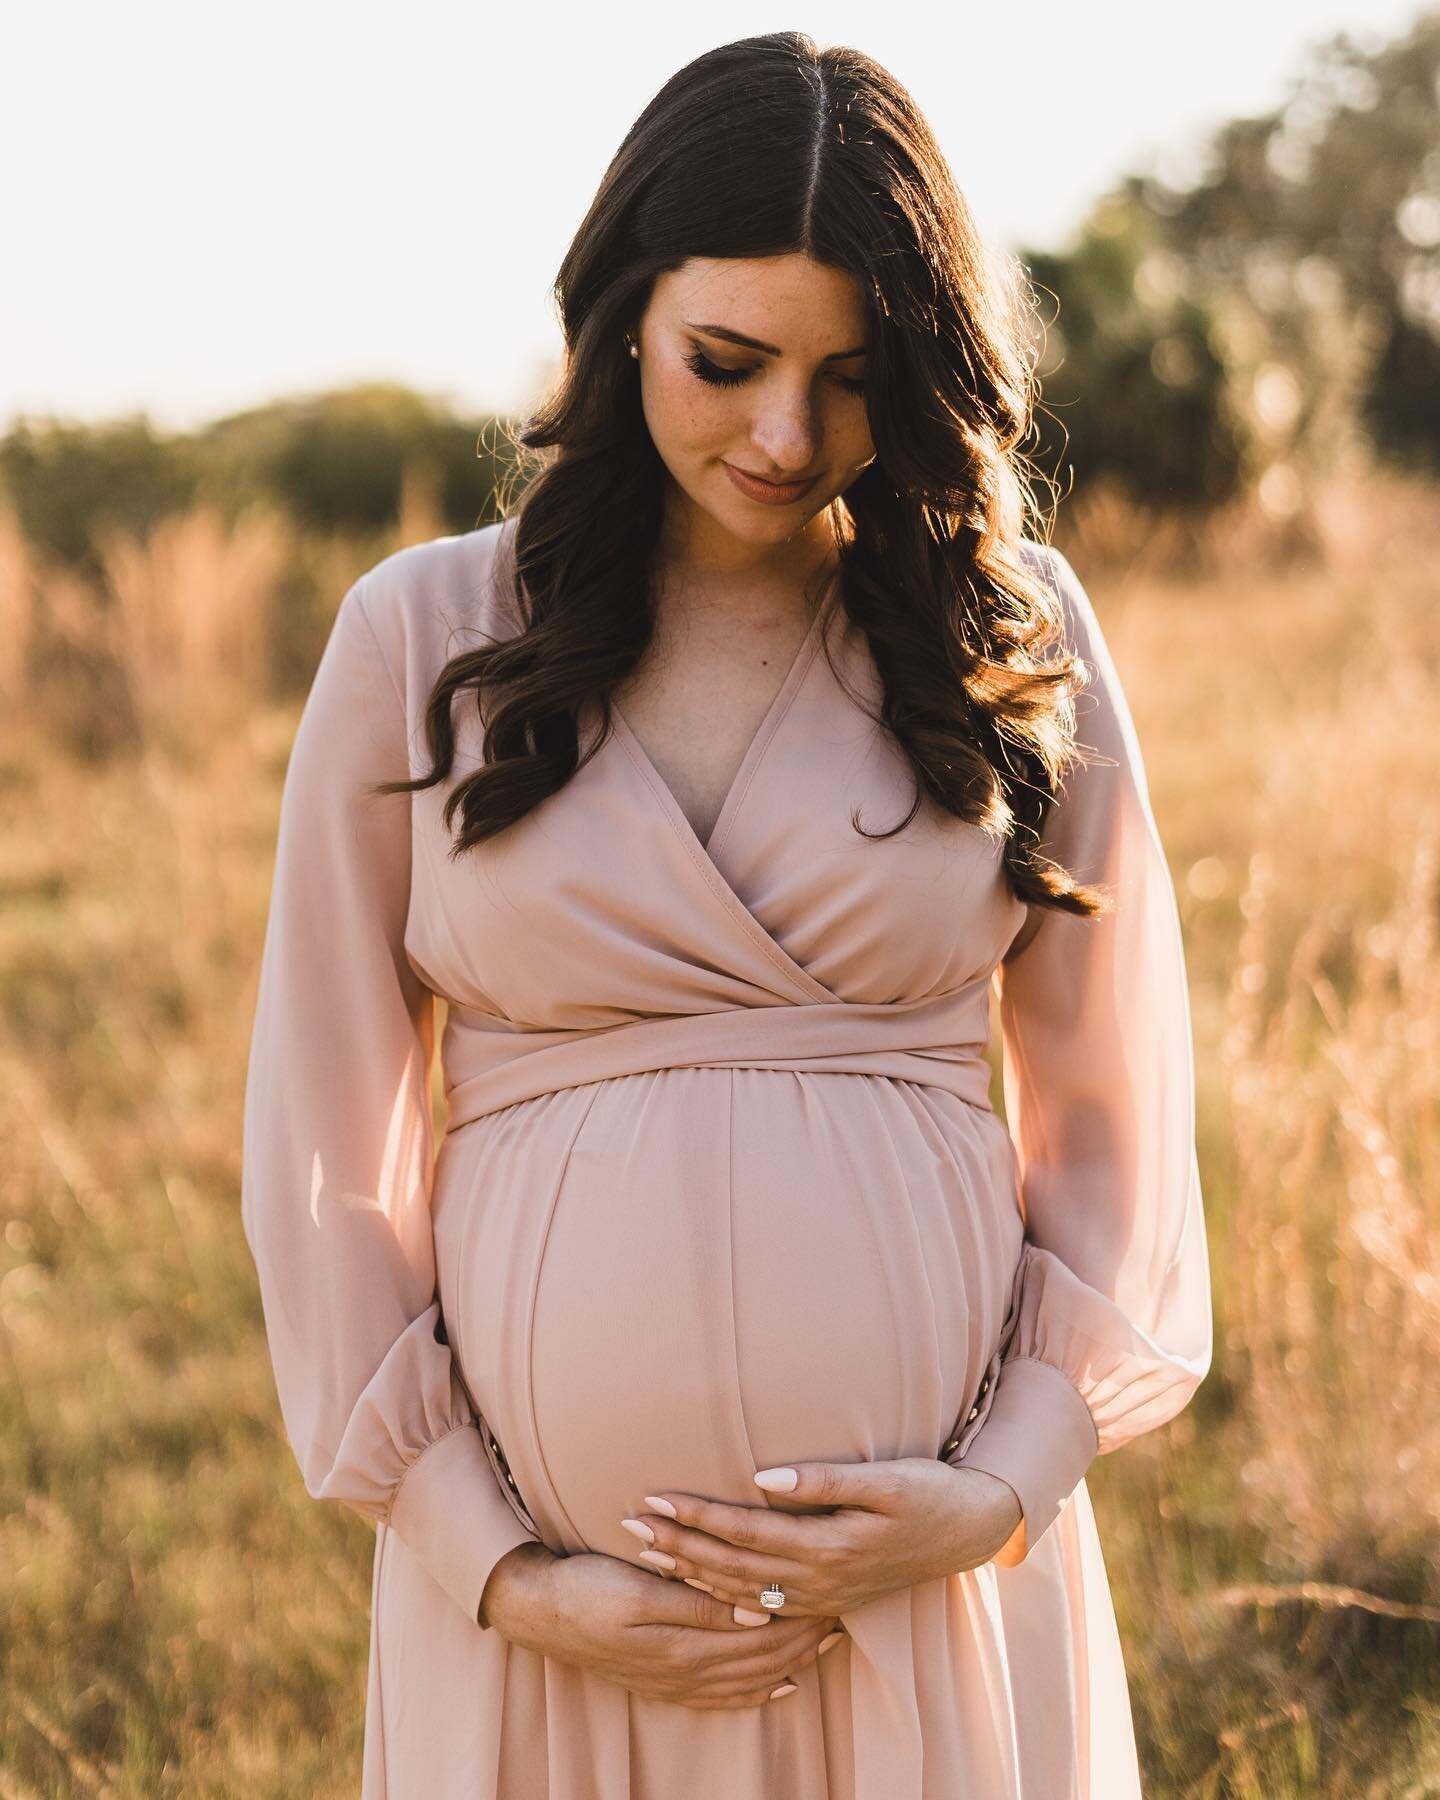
67	481
1326	213
339	460
1272	309
1132	384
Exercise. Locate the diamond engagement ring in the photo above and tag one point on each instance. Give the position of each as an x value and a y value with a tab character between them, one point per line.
772	1598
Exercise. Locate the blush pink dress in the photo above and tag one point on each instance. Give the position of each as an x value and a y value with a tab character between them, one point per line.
720	1187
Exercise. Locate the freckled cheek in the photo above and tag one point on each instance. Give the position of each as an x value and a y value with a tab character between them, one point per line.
859	444
843	455
854	453
843	449
686	420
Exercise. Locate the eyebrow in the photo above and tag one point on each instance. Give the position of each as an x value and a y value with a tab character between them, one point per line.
749	343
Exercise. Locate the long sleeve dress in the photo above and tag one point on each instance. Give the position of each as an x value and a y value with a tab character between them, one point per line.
720	1187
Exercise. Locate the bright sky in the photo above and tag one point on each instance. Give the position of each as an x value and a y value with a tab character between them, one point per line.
209	207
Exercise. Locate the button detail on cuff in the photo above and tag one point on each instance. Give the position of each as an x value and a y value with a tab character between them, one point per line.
1039	1436
974	1413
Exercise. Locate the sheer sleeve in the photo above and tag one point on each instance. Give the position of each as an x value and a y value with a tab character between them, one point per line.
1109	1328
337	1155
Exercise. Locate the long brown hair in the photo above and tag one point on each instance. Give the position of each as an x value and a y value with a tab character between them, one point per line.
764	147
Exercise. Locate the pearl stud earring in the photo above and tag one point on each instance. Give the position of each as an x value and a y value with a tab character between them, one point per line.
634	347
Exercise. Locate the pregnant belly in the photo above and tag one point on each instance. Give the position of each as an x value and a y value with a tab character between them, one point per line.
669	1280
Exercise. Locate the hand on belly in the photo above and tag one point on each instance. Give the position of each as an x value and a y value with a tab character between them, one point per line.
894	1524
600	1614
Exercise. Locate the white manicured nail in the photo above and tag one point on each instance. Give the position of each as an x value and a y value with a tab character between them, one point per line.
776	1481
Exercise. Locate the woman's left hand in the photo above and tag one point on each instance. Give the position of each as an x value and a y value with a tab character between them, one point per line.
897	1523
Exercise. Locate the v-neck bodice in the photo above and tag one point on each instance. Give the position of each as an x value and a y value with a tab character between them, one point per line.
770	723
789	938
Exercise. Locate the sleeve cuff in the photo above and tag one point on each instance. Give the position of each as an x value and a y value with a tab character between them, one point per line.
450	1512
1039	1437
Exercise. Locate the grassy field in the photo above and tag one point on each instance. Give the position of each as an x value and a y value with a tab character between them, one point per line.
181	1618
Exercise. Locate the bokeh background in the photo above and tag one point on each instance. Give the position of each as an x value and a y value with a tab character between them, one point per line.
277	294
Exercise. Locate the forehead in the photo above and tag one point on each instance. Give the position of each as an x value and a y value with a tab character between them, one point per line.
791	301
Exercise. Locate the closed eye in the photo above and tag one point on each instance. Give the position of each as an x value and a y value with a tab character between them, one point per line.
712	374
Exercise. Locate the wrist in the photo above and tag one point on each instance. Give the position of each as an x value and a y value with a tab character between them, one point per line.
989	1516
515	1587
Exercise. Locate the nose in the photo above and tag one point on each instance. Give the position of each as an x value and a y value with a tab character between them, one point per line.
785	435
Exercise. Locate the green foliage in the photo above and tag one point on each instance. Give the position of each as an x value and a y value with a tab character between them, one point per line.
1272	313
332	462
338	460
67	482
1132	381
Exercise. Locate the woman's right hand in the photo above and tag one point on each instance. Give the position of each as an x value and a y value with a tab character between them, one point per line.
656	1637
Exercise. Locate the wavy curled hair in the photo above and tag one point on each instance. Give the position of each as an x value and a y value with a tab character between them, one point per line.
764	147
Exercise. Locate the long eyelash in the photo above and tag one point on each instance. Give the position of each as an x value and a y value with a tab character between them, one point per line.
700	364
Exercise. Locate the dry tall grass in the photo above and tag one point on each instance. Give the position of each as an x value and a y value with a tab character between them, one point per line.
181	1618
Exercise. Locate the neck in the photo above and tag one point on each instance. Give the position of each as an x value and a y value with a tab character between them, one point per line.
698	562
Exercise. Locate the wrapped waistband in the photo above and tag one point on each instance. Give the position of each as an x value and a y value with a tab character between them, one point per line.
938	1041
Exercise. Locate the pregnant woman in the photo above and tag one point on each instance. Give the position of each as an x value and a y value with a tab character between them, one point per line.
724	1388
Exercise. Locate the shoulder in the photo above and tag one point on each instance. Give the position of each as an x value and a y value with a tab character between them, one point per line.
1102	709
1077	612
430	601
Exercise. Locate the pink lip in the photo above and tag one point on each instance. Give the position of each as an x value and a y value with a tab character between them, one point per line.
769	493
